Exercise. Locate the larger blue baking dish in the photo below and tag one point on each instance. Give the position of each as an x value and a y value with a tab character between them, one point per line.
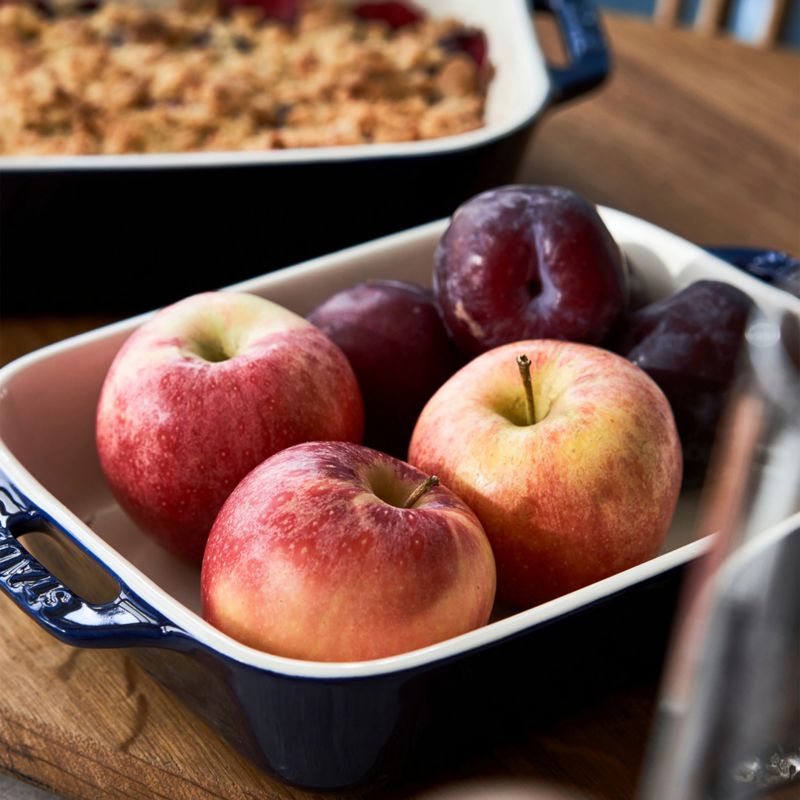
135	219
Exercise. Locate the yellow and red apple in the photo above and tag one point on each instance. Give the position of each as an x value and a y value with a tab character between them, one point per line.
204	391
580	490
330	551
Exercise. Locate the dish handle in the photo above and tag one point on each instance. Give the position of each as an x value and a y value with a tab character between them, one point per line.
582	34
124	621
771	266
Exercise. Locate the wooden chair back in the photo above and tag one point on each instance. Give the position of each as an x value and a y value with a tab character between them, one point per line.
712	16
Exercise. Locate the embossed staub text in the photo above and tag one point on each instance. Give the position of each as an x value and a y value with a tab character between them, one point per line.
22	575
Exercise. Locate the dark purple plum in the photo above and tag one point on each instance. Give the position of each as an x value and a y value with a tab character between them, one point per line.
690	344
399	350
528	262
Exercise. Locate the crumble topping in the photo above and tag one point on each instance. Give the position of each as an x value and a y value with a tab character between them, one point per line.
129	79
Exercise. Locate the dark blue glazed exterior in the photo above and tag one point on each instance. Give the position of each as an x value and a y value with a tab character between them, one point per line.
158	234
347	734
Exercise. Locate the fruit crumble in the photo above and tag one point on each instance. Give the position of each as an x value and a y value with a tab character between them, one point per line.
121	78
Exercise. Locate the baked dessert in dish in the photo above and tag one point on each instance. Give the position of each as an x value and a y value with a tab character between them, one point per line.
196	76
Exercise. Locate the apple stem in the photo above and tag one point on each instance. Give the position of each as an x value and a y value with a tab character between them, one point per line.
424	487
524	364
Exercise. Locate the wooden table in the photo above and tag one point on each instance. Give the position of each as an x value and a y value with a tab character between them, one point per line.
697	135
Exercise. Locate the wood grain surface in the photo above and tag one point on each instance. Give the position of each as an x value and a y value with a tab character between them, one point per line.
697	135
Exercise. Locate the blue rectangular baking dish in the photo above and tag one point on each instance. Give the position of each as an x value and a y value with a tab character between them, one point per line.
314	725
158	227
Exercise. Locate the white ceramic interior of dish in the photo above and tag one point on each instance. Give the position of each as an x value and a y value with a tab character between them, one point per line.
517	92
47	408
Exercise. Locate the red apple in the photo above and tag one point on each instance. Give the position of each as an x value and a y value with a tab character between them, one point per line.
528	262
323	553
584	491
399	350
203	392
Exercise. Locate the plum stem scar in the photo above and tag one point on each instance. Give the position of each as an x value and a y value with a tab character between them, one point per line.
425	486
524	364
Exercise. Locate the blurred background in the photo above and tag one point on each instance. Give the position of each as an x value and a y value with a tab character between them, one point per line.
757	22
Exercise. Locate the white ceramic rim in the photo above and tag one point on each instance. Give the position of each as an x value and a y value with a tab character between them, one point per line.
211	637
520	24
